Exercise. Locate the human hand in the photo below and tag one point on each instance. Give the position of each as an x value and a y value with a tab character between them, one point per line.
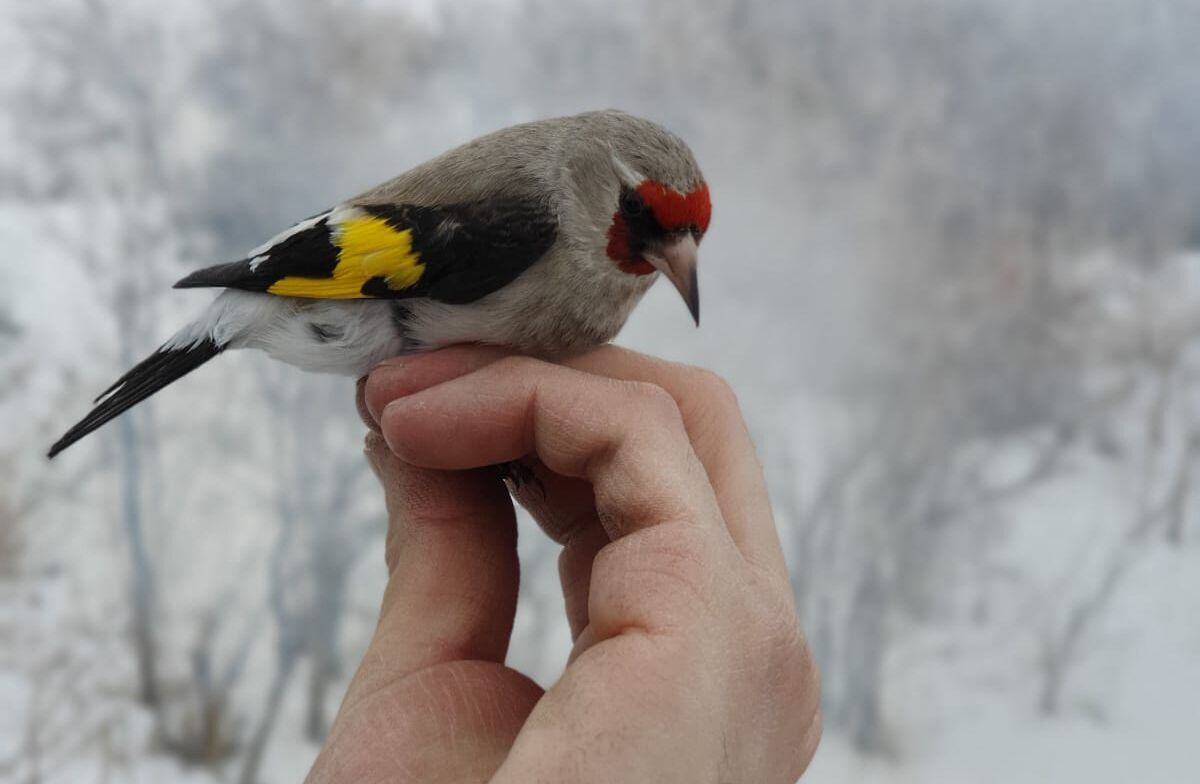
688	661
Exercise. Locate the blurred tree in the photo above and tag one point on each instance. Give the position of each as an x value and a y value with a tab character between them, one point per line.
977	143
93	125
103	131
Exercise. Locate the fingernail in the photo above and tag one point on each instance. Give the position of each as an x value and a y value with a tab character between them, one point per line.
372	446
360	402
391	408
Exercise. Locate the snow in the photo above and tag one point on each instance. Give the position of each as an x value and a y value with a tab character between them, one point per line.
972	720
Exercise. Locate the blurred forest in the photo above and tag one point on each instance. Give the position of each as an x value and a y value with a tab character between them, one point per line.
953	275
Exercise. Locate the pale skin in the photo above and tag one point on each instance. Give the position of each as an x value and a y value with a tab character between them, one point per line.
688	664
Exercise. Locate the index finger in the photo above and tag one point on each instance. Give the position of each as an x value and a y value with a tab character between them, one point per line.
626	438
707	404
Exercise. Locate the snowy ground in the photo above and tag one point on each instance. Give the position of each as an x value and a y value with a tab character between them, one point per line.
963	706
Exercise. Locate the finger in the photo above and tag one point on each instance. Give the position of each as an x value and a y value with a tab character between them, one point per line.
575	573
452	560
720	438
655	693
402	376
707	404
710	416
559	504
444	724
626	439
360	403
563	506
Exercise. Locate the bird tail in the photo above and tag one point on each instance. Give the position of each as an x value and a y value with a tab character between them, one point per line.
169	363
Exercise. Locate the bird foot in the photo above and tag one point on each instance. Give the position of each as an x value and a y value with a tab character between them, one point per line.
517	476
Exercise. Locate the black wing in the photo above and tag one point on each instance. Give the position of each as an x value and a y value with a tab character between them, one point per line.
454	254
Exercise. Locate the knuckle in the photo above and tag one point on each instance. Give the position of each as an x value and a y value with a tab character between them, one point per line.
792	671
679	558
709	393
774	615
665	567
656	400
710	386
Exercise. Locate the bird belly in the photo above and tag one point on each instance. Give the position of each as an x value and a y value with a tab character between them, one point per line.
343	337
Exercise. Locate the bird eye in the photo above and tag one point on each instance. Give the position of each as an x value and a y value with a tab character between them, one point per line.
632	204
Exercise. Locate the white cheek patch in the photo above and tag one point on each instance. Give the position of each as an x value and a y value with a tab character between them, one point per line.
625	173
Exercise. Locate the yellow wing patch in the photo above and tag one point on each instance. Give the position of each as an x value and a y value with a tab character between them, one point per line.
368	247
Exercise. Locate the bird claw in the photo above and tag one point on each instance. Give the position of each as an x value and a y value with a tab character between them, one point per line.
517	476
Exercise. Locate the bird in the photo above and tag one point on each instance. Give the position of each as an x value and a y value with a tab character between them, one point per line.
540	237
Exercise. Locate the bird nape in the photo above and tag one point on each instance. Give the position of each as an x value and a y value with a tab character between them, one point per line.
541	237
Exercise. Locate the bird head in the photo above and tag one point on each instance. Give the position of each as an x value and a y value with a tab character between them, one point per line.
657	226
654	204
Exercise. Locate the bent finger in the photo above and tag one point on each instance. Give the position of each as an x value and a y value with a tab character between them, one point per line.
401	376
626	439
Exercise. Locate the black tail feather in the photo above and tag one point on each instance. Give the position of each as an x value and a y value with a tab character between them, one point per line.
143	380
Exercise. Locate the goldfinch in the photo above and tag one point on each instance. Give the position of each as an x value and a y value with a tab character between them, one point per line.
541	237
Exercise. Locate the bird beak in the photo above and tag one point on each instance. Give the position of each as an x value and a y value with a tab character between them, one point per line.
676	258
